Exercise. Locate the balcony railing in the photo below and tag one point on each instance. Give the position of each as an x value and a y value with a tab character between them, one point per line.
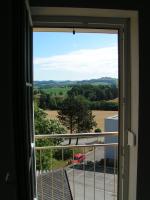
86	171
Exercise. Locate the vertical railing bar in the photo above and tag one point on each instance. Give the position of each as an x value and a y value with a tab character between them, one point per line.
73	178
94	173
41	174
104	170
117	172
52	171
63	188
114	170
84	171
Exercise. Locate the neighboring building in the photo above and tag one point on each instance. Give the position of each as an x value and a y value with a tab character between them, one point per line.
110	125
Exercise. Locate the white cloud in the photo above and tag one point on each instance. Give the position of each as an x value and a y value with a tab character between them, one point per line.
103	61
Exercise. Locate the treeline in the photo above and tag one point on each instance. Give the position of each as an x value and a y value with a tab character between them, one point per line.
95	92
103	105
98	97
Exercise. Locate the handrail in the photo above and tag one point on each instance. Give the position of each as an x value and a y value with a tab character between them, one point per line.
76	146
75	135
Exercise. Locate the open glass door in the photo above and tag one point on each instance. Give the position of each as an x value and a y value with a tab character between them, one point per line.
120	27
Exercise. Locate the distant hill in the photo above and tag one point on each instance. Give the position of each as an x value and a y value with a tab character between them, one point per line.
99	81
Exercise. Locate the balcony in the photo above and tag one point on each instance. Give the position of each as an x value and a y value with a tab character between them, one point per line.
86	171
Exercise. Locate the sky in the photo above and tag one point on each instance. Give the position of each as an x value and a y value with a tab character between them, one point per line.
80	56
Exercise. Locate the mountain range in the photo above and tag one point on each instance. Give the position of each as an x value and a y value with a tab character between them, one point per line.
53	83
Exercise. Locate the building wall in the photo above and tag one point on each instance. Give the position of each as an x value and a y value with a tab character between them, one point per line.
110	125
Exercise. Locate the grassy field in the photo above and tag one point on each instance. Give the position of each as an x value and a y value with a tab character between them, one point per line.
99	116
57	91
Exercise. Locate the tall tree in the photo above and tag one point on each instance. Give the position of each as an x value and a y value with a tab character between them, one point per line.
76	115
84	118
66	114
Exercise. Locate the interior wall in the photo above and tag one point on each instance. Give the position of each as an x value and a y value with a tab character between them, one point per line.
144	108
8	183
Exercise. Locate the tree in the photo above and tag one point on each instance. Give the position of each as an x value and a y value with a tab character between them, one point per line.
66	114
46	126
42	101
94	92
76	115
84	118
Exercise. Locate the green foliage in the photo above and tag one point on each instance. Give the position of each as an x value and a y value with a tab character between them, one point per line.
63	154
41	123
66	114
96	95
103	105
43	100
45	126
43	159
48	101
75	114
84	118
95	92
109	105
98	130
56	91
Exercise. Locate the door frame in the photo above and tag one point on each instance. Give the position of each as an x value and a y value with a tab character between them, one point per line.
126	22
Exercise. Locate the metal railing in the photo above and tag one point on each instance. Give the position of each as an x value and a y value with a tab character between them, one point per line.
61	176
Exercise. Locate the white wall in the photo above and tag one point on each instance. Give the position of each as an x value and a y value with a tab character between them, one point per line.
110	125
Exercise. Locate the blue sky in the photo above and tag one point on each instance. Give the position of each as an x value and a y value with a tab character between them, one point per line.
64	56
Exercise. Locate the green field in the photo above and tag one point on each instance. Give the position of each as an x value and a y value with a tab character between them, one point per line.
57	91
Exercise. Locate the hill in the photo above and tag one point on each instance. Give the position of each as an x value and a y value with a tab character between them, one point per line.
52	83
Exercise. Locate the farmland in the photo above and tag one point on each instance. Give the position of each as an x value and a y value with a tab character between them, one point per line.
99	116
57	91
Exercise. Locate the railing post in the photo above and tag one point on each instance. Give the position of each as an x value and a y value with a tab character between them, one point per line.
84	171
63	192
94	173
73	177
104	170
41	169
51	154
